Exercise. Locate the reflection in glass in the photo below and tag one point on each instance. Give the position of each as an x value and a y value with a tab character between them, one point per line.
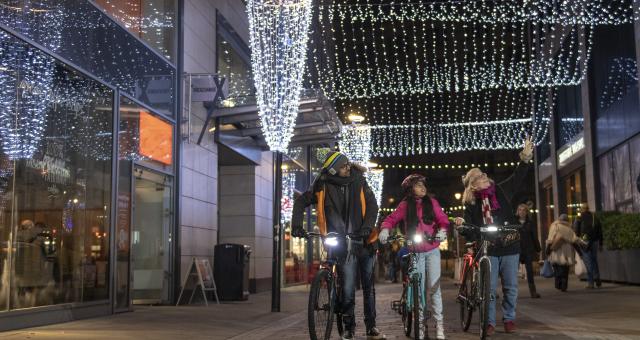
84	35
144	137
54	196
154	21
237	72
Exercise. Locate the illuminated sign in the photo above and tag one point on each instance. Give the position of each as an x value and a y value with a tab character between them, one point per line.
570	150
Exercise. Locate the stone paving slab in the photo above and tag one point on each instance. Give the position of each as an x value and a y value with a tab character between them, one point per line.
611	313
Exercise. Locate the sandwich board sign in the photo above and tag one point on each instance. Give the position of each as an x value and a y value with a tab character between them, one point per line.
200	276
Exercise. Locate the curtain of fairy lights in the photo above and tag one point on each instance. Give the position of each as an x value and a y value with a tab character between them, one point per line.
278	38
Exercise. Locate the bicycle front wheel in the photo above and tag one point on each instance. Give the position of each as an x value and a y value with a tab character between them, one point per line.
419	330
407	316
321	306
465	298
485	296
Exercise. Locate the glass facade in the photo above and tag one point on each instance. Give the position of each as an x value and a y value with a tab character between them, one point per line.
154	21
574	194
234	65
615	86
294	178
82	35
55	189
569	116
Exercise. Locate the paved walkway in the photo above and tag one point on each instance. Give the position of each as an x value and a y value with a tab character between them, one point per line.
611	313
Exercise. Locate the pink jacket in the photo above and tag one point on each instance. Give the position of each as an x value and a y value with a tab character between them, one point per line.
440	218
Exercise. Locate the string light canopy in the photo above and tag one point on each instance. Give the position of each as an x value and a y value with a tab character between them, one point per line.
355	143
375	179
403	57
449	122
278	39
581	12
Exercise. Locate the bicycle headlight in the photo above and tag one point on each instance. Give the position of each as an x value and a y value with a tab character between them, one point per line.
331	241
492	228
417	238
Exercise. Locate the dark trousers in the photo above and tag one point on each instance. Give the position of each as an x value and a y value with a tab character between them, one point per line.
527	259
590	258
561	273
352	267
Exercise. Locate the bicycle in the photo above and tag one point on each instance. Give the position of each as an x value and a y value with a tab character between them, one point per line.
475	284
323	308
413	310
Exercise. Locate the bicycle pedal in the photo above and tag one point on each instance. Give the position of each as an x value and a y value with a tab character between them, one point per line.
395	305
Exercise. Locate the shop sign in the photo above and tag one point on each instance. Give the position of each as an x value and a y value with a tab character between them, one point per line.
570	150
205	89
156	90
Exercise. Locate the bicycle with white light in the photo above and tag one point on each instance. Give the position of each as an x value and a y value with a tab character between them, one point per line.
413	302
325	296
475	285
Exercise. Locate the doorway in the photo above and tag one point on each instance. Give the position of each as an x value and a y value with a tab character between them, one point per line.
151	237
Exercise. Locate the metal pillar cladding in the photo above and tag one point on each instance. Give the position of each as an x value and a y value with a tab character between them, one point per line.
276	263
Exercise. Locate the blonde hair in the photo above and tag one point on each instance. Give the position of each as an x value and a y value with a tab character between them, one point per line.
468	180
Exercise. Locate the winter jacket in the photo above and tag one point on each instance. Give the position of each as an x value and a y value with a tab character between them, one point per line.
332	202
529	244
440	221
505	191
565	254
588	226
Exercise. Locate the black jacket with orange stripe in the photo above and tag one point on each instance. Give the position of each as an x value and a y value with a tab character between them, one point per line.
328	216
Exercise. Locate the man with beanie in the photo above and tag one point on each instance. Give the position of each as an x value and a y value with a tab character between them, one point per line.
346	205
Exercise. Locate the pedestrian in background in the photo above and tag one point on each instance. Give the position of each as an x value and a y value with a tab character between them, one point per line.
588	228
529	245
561	253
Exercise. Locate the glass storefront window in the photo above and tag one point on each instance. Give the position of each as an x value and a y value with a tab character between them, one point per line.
294	178
234	65
154	21
55	185
569	116
575	193
144	137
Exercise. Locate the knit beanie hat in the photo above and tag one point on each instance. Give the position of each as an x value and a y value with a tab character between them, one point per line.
335	160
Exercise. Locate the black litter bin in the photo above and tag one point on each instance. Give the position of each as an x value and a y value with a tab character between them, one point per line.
231	271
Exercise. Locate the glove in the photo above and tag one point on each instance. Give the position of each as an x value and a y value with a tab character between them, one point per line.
298	232
383	236
364	233
441	235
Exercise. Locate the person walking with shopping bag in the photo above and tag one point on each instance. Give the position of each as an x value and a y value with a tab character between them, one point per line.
562	254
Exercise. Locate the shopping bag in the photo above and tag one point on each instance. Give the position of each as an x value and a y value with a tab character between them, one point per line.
579	268
547	269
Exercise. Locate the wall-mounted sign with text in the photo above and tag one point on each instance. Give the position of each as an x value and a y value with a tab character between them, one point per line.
568	152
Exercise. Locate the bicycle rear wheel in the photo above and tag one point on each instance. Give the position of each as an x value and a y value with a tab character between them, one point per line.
465	298
485	296
321	306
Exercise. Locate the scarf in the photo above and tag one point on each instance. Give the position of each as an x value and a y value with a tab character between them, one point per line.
489	202
352	208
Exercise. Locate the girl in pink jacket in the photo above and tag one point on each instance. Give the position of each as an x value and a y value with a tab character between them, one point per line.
421	213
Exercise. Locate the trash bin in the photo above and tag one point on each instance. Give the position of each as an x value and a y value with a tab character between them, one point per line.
231	271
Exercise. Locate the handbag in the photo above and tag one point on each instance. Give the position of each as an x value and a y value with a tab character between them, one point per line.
547	270
579	268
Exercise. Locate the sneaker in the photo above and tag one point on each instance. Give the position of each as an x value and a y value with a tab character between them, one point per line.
440	331
374	333
509	327
490	330
348	335
598	283
589	286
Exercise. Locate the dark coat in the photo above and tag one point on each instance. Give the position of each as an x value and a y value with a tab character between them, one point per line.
529	243
505	192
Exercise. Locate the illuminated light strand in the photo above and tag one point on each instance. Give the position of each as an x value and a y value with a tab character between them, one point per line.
577	12
355	143
278	39
546	64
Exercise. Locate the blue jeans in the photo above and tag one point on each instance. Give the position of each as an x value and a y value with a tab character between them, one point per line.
349	268
507	268
429	264
590	258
